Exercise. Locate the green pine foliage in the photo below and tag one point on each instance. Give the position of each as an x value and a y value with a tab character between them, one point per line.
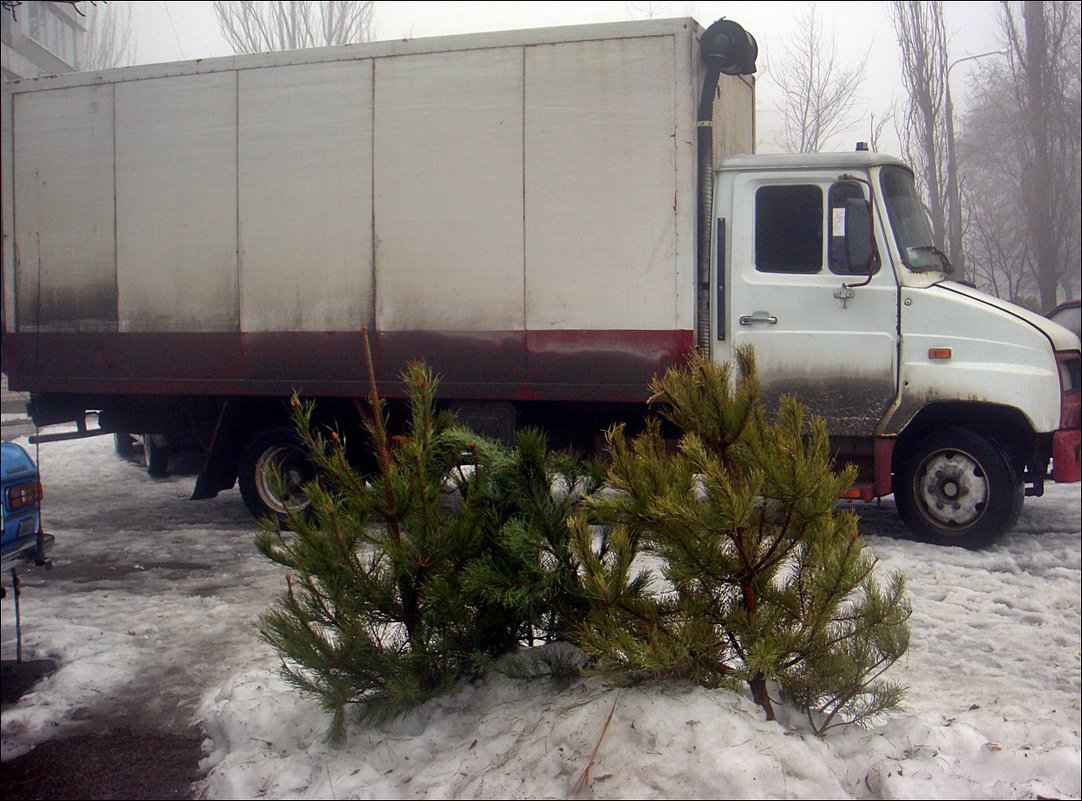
531	569
373	614
724	561
721	560
452	554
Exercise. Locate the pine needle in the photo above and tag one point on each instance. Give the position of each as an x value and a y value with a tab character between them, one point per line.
579	787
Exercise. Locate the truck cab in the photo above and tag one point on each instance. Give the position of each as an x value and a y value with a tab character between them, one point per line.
953	400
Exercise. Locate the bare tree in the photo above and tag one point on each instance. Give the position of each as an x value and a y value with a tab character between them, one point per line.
818	93
251	26
1020	147
876	127
997	241
922	40
1043	44
649	10
108	41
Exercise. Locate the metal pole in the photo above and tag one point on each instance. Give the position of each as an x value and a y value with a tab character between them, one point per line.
18	619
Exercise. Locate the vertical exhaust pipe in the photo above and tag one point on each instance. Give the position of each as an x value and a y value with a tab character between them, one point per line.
726	49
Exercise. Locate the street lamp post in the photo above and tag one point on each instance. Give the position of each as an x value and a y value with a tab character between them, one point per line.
954	195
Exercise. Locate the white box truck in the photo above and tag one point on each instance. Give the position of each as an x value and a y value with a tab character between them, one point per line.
546	217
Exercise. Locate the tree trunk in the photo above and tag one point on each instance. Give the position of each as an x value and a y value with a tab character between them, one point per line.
756	682
1040	212
760	694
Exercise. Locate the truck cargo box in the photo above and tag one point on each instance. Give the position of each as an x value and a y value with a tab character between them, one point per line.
518	209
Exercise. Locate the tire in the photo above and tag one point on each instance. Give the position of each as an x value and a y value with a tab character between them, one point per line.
125	444
156	453
281	448
956	487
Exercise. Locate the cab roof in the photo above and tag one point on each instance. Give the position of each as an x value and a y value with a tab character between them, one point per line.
851	159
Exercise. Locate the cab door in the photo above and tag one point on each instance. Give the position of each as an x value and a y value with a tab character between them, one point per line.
817	333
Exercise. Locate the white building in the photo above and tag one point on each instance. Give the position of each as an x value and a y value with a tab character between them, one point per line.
41	38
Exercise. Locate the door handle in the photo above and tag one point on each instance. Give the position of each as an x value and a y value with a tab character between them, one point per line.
758	317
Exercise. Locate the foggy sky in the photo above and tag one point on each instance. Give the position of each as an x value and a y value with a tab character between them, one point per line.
175	31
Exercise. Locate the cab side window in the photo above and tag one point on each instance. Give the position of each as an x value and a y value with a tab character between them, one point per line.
789	229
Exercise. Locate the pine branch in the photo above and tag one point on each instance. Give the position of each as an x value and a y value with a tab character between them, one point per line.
379	440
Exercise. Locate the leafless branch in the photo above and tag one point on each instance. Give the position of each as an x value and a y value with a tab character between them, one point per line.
922	40
1020	149
252	26
108	41
818	92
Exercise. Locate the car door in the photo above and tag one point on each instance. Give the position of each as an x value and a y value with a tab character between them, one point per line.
820	330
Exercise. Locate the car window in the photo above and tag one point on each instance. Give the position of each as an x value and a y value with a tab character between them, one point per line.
1069	316
789	229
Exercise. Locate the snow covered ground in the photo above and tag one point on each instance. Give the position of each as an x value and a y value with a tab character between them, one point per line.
153	599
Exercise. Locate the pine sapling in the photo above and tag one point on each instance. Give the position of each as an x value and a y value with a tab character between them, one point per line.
375	613
446	558
727	561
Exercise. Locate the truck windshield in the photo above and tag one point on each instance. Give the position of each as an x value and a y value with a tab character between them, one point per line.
910	224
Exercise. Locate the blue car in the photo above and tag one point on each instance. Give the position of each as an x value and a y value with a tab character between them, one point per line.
20	500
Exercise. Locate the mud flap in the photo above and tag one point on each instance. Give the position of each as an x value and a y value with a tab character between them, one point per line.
220	463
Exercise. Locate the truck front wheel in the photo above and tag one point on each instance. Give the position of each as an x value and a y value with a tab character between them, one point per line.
274	449
955	487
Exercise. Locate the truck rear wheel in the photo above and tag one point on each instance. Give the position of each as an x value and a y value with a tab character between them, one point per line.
156	454
271	449
955	487
125	445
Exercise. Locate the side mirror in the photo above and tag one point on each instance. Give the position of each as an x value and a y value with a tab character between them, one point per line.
858	236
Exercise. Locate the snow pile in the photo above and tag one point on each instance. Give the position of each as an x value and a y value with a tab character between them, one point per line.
153	602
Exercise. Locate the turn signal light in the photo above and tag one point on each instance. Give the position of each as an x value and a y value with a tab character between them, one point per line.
939	353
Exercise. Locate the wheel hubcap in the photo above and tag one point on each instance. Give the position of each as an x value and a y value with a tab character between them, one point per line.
293	472
953	488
